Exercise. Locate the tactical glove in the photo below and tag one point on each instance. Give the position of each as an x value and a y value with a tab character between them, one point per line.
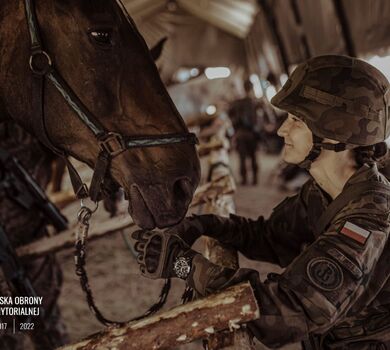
162	255
206	277
165	255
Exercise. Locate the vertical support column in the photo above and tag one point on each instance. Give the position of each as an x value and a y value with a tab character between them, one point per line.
342	17
269	15
224	205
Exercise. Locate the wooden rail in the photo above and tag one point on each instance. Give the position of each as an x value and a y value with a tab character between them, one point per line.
182	324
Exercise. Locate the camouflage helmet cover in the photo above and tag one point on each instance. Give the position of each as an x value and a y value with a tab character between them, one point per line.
340	98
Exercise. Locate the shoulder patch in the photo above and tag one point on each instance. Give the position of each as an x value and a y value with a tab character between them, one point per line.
325	273
355	232
347	263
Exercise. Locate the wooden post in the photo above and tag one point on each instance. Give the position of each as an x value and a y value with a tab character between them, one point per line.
224	205
345	28
182	324
272	24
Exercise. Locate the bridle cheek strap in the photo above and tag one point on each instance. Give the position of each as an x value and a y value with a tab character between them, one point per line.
99	174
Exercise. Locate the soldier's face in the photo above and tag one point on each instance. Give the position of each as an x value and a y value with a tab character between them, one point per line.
298	139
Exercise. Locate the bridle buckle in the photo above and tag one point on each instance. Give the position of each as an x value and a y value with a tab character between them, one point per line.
43	66
112	143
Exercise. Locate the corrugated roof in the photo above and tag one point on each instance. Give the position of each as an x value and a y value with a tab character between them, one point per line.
232	16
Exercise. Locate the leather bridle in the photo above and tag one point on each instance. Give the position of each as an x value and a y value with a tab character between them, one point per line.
111	143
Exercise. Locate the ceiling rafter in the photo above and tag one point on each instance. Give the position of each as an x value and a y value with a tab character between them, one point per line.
232	16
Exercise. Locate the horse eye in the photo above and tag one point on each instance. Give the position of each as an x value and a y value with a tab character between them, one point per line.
101	37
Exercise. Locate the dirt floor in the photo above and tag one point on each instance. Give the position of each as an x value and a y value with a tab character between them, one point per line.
120	291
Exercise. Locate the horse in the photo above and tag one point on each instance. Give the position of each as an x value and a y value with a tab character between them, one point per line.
78	76
94	50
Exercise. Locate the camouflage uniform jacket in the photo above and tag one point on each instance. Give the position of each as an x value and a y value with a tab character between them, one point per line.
333	282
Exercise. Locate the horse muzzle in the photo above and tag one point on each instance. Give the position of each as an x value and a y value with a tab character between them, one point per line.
160	205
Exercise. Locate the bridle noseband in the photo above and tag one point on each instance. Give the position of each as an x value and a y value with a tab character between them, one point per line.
111	143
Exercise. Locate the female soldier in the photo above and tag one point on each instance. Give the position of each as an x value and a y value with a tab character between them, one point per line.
332	237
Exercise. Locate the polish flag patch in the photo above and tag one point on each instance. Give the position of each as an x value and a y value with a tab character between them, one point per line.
355	232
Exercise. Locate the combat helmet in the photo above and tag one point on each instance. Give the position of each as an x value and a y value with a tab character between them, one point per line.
341	98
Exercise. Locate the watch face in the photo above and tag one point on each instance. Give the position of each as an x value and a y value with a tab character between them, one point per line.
181	267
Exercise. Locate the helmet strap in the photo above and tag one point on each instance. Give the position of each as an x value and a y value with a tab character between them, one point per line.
313	154
336	147
318	146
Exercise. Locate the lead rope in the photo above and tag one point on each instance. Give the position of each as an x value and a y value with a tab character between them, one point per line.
84	215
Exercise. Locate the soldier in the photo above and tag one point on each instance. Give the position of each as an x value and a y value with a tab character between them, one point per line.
332	237
243	114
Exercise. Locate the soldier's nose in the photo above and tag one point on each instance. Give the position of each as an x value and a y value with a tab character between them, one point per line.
282	131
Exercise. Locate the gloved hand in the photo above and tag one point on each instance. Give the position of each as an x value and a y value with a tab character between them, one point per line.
165	255
206	277
162	255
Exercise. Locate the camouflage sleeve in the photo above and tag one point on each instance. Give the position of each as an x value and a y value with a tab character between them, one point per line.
278	239
326	280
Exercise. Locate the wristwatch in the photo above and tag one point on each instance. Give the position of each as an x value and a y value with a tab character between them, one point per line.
182	267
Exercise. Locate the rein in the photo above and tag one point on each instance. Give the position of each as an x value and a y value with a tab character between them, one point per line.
83	216
111	144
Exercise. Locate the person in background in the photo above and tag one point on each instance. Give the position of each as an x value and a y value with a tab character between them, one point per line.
243	114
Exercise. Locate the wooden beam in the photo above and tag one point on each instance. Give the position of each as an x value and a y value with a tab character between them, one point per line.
62	198
66	239
220	16
345	28
212	191
200	120
205	149
226	310
207	193
273	26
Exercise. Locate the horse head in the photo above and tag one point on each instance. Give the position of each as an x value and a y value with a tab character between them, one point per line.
97	50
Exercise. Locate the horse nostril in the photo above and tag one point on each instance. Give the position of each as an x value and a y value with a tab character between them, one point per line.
182	189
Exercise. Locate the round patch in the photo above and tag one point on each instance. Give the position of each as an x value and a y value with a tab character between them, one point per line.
325	273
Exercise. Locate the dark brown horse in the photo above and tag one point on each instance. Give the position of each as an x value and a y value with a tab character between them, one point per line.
105	61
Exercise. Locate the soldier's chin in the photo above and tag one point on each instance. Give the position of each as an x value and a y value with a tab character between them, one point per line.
287	157
292	160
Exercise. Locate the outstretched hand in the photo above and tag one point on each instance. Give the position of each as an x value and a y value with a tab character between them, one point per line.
157	252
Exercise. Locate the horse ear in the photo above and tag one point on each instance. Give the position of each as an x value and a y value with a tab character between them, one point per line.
156	50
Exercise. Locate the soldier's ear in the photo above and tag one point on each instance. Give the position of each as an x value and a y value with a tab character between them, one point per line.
156	50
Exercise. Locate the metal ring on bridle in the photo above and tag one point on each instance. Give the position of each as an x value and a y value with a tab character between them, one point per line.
47	66
85	213
82	205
